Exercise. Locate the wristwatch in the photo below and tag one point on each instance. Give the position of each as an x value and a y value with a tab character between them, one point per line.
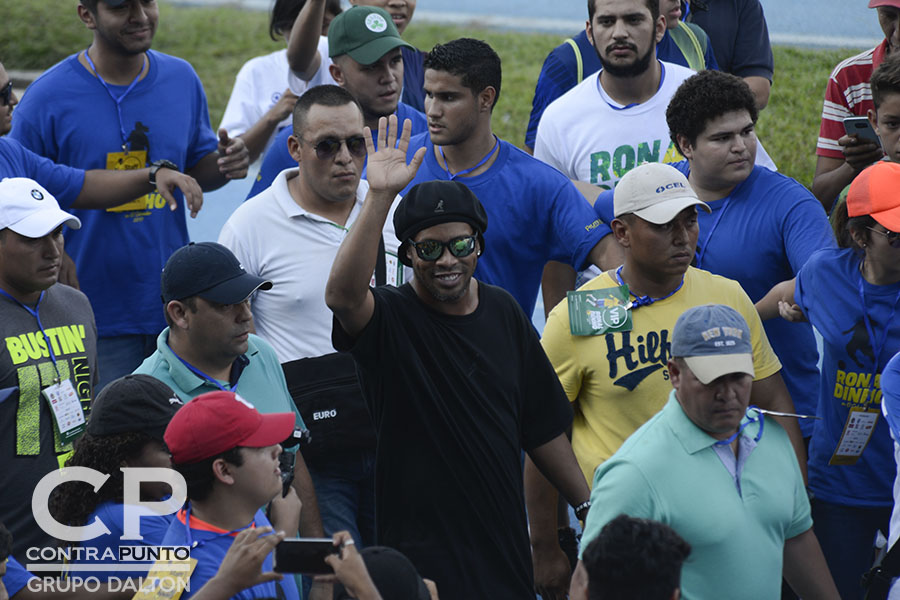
160	164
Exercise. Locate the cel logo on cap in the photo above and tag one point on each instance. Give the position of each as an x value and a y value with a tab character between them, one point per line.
669	186
376	23
37	195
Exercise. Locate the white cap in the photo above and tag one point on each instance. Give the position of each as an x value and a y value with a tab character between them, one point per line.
655	192
30	210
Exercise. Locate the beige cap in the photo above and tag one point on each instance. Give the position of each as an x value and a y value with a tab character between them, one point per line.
655	192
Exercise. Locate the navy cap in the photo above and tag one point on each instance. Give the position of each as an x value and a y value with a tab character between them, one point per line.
713	340
208	270
435	202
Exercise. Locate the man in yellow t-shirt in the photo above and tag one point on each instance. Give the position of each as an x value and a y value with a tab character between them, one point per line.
617	380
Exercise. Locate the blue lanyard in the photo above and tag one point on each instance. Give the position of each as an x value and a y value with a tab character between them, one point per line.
190	539
206	377
701	250
118	100
34	313
640	301
452	176
878	346
662	78
760	418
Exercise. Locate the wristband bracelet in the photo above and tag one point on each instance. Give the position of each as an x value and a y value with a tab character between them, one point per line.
581	510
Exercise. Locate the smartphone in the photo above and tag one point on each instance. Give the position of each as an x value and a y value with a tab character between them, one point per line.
286	466
862	128
304	555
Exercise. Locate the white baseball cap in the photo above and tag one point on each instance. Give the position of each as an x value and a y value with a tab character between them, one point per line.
655	192
30	210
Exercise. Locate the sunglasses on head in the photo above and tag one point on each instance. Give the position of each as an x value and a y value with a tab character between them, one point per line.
433	249
329	147
893	237
6	94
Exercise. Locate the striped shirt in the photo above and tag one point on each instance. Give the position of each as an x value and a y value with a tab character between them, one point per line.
848	94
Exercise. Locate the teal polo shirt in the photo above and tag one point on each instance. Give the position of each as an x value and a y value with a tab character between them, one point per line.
668	471
261	382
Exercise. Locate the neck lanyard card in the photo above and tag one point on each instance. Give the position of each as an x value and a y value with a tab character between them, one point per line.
858	431
66	408
596	312
126	160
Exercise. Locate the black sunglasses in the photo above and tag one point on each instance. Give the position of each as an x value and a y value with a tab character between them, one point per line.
6	94
329	147
893	238
433	249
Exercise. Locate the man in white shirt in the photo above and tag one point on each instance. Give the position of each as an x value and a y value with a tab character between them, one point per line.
290	234
613	121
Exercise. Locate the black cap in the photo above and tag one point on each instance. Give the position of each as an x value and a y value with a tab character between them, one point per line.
133	404
393	574
435	202
208	270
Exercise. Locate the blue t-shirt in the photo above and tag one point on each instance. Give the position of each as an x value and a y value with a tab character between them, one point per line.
534	212
413	78
63	182
16	577
890	402
277	157
738	34
112	514
560	72
827	290
68	116
760	235
212	545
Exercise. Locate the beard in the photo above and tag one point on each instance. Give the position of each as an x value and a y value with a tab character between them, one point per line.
638	67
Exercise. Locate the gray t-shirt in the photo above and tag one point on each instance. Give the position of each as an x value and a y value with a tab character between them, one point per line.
29	443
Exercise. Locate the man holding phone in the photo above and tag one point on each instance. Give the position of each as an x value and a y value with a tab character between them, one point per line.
228	454
841	154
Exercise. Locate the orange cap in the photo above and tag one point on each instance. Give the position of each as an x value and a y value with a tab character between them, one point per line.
876	192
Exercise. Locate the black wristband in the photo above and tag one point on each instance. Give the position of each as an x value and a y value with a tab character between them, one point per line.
581	510
157	165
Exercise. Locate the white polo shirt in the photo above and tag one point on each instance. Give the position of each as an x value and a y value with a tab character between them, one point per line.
273	237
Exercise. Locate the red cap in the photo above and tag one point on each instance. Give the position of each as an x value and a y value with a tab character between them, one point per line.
874	192
877	3
218	421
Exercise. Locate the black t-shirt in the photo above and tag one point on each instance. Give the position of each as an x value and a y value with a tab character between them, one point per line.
454	400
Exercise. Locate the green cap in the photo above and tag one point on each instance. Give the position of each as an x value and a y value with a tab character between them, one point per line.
366	33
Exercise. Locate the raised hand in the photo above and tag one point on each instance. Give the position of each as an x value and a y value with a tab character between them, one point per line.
387	170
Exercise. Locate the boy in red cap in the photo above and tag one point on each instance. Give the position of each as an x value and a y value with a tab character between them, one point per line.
228	454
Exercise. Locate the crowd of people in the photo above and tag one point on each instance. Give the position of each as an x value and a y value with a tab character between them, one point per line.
354	359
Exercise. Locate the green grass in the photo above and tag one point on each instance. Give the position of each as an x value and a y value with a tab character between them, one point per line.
218	41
